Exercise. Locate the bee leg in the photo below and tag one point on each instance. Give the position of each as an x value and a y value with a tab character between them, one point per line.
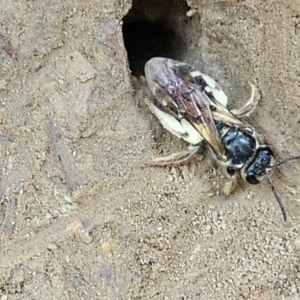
231	184
173	159
249	107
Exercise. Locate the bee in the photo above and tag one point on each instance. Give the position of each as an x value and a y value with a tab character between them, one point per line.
193	107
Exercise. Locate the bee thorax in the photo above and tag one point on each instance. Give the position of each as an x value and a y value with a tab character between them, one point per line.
239	146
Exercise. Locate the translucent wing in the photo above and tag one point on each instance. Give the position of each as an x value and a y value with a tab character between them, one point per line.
177	93
218	100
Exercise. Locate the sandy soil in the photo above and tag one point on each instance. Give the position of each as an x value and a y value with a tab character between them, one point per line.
80	217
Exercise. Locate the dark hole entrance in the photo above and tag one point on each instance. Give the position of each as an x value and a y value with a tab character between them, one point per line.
153	28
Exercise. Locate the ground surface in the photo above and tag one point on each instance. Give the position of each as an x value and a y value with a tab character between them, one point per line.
80	218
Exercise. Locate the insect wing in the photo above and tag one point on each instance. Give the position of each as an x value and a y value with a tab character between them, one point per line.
222	114
217	98
172	84
198	112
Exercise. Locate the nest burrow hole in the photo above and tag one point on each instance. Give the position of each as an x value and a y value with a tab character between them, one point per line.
154	28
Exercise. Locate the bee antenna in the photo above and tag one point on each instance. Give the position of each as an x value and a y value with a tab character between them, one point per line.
286	160
278	198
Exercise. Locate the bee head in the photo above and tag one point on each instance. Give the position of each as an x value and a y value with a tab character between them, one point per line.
260	166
